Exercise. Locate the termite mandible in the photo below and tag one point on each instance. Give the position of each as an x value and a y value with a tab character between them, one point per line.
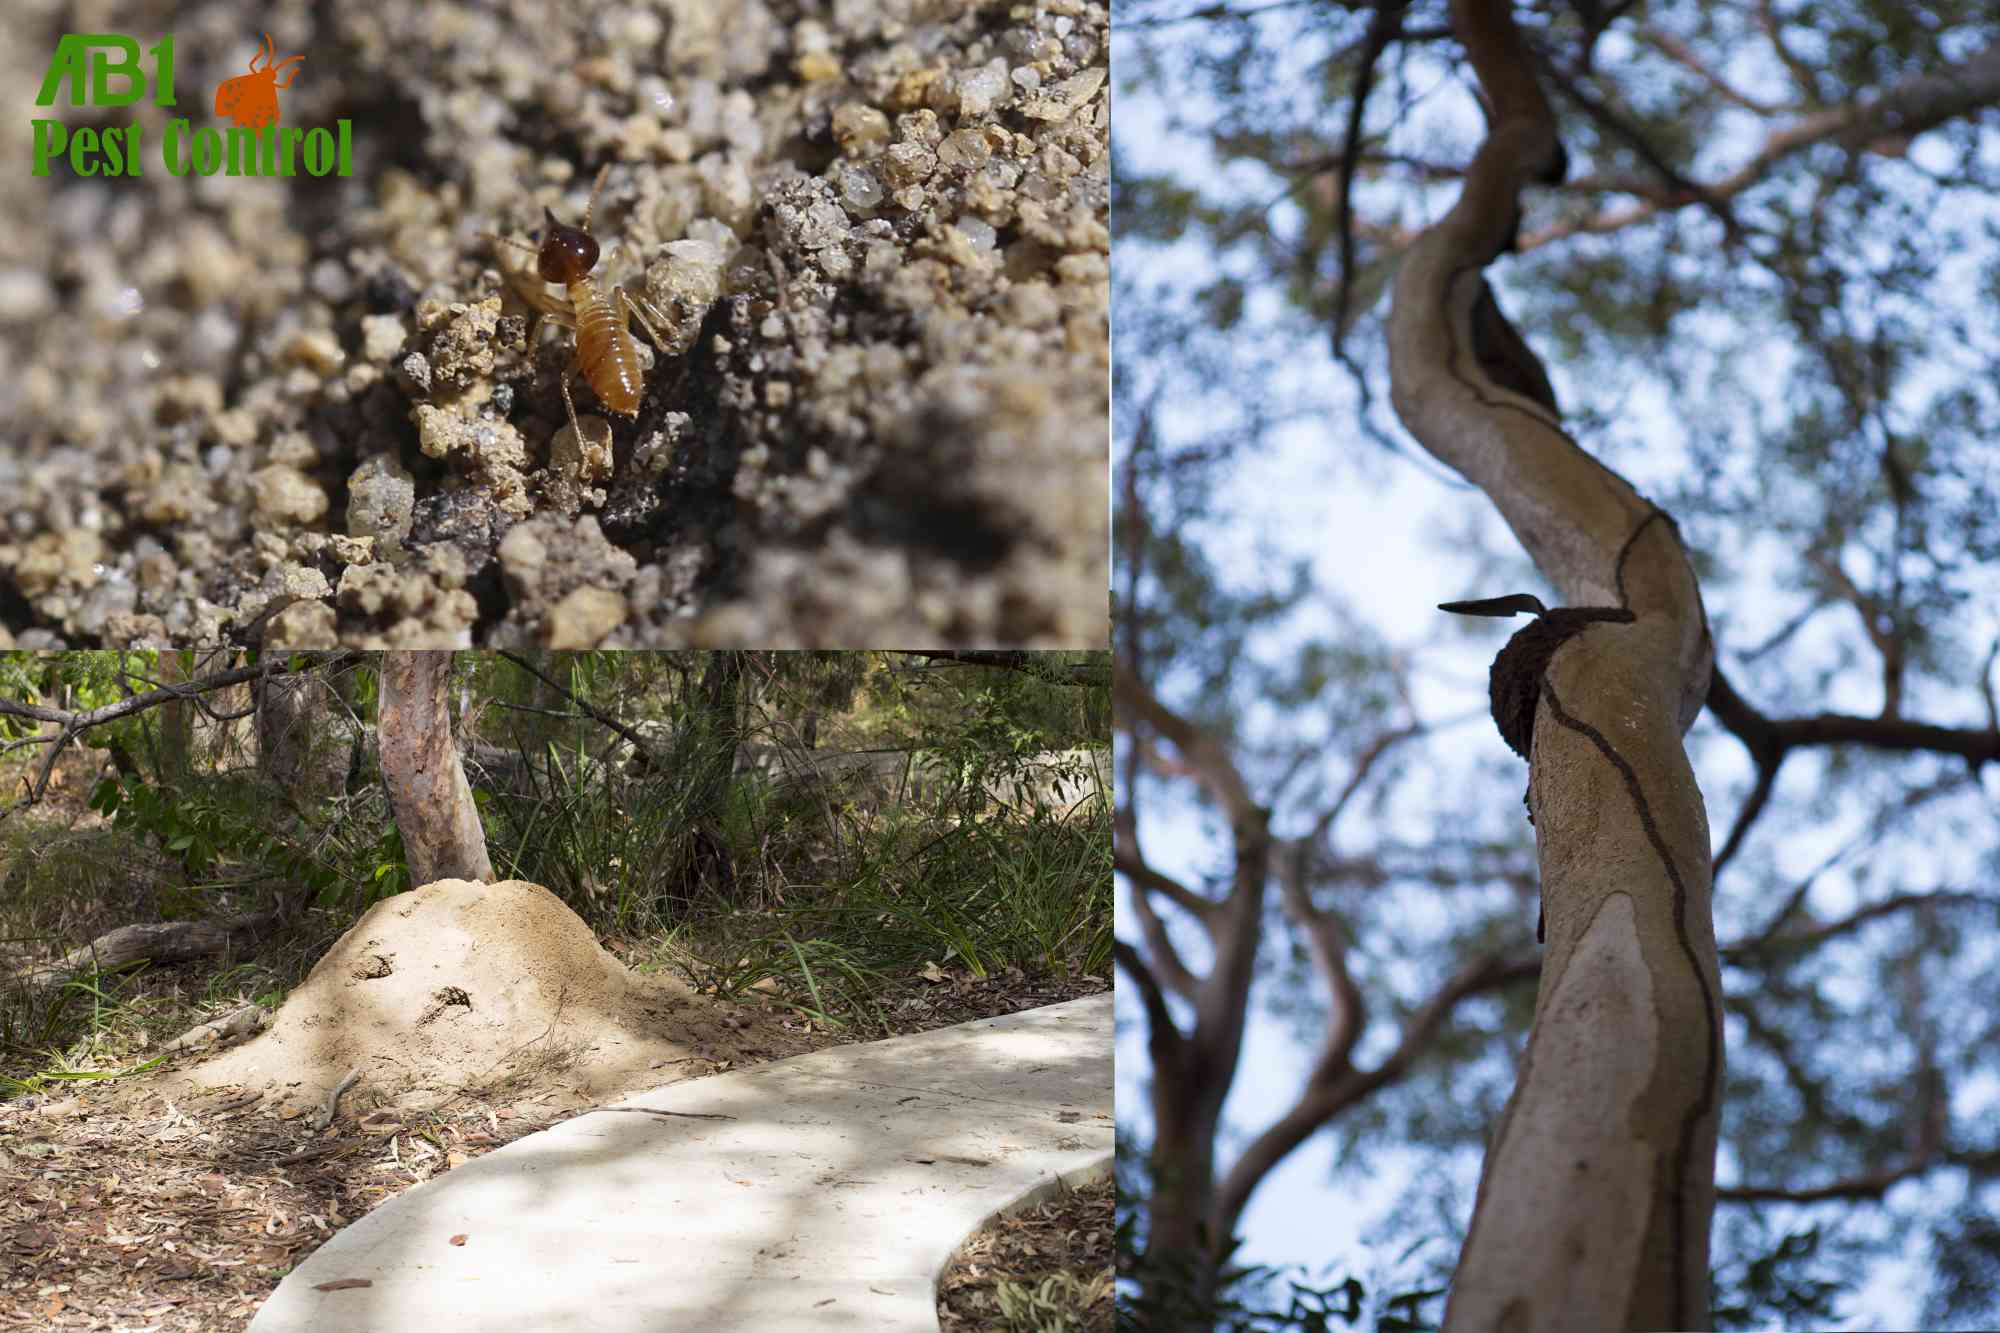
606	354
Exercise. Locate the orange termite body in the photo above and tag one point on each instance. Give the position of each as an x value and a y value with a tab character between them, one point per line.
606	354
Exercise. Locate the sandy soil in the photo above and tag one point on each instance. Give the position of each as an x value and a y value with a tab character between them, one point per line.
177	1198
306	412
460	991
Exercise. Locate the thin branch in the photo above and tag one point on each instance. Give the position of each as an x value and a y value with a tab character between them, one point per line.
1382	30
638	742
1901	902
1319	1103
1767	778
1803	75
1680	188
1682	54
1163	1038
1166	957
1033	664
1761	733
1207	758
1134	867
1871	1185
72	724
1899	113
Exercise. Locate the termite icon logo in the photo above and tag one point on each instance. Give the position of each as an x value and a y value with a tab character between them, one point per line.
251	100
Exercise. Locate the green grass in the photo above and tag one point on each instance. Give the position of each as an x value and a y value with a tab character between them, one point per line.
835	894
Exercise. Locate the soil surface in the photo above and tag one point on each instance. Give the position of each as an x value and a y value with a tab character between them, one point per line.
458	990
177	1198
313	411
1070	1237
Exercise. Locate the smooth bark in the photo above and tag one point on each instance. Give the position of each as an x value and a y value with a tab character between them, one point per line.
1595	1201
432	802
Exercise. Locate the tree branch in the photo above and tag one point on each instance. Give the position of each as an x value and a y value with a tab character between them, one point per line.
1176	973
1901	112
1321	1101
1072	673
1766	735
1853	921
72	724
1382	30
1164	1041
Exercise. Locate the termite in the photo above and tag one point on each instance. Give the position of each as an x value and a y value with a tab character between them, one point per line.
605	351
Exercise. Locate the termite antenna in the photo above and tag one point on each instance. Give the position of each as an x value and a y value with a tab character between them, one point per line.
591	207
508	240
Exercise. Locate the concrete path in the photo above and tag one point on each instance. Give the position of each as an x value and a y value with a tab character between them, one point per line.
829	1198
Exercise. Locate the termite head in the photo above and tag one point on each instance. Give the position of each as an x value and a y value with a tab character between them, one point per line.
567	253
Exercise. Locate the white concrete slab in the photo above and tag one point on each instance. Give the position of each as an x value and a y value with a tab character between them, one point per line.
829	1200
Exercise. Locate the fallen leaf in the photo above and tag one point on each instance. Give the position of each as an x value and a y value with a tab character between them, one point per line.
459	1239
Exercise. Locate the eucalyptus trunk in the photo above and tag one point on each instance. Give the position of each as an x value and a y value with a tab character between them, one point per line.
428	793
1596	1197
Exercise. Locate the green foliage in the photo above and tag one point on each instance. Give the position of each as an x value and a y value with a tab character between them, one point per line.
1965	1287
1780	1279
193	829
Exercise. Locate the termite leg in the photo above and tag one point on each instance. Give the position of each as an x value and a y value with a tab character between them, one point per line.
576	427
649	317
562	320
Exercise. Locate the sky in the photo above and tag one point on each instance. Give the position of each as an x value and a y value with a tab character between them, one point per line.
1281	496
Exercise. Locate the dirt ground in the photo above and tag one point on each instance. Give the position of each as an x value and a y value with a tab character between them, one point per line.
308	411
176	1199
1073	1234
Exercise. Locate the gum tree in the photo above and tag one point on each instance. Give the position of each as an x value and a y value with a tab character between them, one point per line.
1758	456
1595	1201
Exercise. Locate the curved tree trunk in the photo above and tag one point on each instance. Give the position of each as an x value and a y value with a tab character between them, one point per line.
1595	1201
442	836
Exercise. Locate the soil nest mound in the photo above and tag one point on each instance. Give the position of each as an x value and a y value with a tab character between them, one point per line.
488	990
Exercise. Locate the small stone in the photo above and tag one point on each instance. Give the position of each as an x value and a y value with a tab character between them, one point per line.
523	555
907	164
1062	100
286	495
584	618
302	625
316	350
859	128
982	89
859	189
381	495
381	335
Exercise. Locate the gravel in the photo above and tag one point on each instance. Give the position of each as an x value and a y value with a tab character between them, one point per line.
876	230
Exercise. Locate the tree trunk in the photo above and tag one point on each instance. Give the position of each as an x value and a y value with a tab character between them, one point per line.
442	836
297	748
1595	1200
176	721
715	728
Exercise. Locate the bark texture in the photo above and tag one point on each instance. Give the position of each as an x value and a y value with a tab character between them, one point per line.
442	836
157	942
1596	1197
